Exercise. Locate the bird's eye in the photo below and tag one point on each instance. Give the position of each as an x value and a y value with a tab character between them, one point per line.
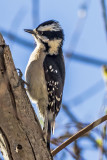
41	32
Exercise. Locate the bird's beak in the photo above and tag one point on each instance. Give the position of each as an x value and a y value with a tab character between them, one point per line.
29	31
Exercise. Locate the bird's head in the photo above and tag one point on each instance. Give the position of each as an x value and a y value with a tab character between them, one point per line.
49	34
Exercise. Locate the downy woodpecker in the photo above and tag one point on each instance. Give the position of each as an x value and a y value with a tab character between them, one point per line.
45	73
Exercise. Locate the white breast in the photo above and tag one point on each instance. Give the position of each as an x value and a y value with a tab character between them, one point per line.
37	89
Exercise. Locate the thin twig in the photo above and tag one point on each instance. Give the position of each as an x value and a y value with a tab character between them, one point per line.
104	14
79	134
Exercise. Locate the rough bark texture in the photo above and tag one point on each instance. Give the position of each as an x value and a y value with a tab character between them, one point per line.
21	136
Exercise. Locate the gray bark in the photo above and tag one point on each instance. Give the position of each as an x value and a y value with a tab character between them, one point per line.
21	136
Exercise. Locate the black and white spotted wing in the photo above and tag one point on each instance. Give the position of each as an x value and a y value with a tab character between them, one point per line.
54	75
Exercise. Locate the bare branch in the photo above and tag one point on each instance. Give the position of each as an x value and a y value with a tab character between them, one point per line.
79	134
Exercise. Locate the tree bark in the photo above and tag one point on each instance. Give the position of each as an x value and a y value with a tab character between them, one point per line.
21	136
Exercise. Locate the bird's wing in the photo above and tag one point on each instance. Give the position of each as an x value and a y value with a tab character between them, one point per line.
55	82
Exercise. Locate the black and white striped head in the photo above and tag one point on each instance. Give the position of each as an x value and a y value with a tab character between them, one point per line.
48	33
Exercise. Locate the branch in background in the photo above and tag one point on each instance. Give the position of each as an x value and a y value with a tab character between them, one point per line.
104	14
85	95
17	39
16	22
74	56
71	116
55	142
86	59
82	17
80	125
71	153
79	134
35	12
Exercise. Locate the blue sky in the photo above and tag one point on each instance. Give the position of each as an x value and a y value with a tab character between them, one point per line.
17	15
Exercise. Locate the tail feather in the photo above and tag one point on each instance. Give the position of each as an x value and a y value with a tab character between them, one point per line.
47	132
53	126
49	125
49	135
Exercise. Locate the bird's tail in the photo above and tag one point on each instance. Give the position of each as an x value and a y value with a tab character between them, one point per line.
48	135
49	126
53	126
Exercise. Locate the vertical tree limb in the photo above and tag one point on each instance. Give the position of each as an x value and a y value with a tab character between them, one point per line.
21	136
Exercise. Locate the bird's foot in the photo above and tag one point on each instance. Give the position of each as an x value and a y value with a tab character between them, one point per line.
20	81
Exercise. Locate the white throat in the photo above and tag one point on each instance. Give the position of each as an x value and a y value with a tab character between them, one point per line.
54	45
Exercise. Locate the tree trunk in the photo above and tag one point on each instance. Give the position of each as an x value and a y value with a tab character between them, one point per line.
21	136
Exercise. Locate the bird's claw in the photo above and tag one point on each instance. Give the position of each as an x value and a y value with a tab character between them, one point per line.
20	81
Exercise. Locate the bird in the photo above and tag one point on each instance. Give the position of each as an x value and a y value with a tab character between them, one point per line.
45	73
